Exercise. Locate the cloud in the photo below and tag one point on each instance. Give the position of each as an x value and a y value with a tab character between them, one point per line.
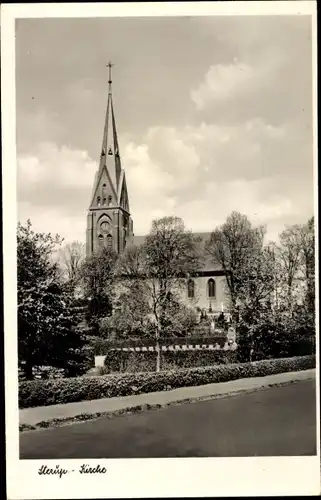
54	187
222	121
52	220
148	184
176	151
51	174
204	172
223	82
200	173
257	74
250	198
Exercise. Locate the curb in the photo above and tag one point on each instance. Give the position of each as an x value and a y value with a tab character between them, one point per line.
84	417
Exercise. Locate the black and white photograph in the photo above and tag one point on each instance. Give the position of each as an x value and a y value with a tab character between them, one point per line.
163	210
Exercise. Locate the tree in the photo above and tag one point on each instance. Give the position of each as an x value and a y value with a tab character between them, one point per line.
97	274
274	336
237	247
131	317
159	269
179	320
249	267
71	256
255	302
307	243
296	262
289	256
287	325
47	322
267	285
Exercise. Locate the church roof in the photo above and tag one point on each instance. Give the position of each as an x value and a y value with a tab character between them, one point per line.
140	239
208	265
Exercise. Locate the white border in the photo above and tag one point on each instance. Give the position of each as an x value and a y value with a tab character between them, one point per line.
151	477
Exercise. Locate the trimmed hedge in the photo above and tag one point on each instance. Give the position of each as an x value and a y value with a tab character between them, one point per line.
66	390
145	361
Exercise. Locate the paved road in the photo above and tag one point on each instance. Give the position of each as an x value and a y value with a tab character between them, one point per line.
274	421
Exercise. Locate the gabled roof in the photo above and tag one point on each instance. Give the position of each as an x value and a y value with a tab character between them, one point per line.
208	264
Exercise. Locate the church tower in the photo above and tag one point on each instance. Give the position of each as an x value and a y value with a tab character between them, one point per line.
109	222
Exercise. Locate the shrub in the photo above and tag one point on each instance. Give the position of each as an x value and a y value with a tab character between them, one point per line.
43	372
144	361
272	339
47	392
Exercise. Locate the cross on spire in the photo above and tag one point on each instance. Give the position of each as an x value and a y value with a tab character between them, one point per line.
109	66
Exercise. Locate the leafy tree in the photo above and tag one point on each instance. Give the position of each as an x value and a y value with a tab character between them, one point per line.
275	336
47	321
98	277
178	320
157	271
131	315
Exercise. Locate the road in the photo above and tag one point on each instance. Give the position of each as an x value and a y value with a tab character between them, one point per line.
276	421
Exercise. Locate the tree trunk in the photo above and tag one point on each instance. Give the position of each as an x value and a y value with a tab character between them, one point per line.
28	371
158	352
251	351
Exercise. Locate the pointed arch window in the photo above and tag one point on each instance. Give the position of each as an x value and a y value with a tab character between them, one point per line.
191	289
100	241
110	152
98	201
109	241
211	289
104	194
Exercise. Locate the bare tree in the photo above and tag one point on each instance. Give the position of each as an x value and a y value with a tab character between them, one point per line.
289	254
237	247
296	262
159	269
71	257
307	242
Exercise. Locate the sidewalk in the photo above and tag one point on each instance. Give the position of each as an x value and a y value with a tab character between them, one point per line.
32	416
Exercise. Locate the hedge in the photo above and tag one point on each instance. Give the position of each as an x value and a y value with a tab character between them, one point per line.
145	361
66	390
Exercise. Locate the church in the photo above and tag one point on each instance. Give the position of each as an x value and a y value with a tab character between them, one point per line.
110	224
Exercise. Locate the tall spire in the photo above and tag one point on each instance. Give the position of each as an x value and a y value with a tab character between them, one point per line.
109	223
109	65
109	157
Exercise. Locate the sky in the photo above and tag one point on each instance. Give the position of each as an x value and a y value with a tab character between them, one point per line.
214	114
